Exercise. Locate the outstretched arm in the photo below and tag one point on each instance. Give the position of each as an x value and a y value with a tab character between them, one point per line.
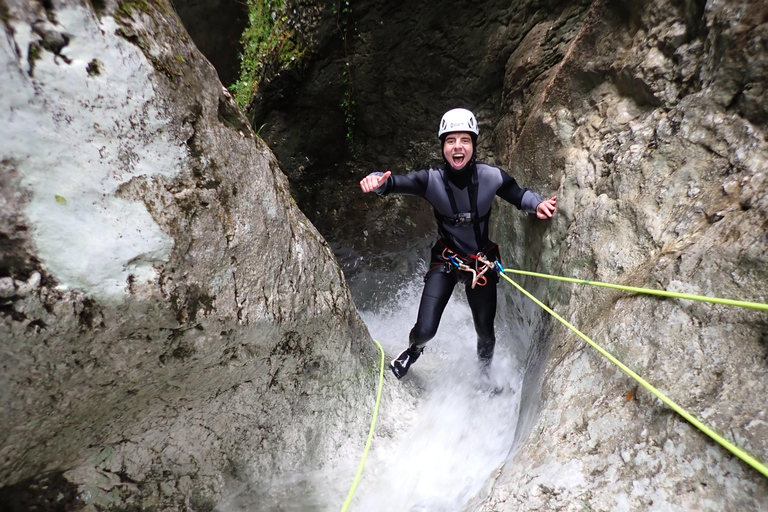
546	208
374	181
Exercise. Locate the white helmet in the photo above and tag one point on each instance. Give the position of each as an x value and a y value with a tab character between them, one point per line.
458	120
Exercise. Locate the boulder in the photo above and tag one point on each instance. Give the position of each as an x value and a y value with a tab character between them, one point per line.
171	322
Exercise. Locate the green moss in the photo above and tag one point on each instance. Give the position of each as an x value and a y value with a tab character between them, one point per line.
268	41
35	50
127	7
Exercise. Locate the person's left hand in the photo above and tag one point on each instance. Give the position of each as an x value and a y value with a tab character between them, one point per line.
546	209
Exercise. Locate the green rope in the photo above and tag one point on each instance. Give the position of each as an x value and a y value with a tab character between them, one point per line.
370	433
752	461
649	291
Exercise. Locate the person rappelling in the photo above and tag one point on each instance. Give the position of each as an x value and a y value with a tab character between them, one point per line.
461	191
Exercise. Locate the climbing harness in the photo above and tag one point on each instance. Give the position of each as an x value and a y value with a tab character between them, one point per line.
478	274
746	457
370	433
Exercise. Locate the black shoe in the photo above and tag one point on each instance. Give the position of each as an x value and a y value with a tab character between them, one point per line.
487	383
401	363
490	388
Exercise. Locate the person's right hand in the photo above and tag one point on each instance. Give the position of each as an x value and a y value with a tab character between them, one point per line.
372	181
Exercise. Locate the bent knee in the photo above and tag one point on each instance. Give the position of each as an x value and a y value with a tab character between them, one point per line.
421	334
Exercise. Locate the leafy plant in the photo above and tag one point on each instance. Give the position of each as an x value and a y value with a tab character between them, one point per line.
343	12
266	39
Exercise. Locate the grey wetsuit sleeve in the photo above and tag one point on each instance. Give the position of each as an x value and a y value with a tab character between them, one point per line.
525	199
530	201
413	183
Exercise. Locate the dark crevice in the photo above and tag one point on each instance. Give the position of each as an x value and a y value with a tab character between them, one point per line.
695	20
192	119
633	87
215	26
90	315
50	492
98	6
5	17
49	9
231	115
7	309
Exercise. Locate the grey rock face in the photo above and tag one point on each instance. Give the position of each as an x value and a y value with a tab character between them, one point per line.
403	65
206	335
170	319
646	130
647	119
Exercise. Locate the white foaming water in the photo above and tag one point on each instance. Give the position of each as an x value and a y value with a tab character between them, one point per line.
458	432
438	440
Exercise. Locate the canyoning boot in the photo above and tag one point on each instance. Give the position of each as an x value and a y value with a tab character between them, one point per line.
401	363
487	384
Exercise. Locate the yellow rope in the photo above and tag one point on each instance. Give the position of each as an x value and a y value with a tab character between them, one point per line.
649	291
752	461
370	433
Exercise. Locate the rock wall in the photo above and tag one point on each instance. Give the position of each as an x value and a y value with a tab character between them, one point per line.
171	322
648	120
169	315
651	126
368	95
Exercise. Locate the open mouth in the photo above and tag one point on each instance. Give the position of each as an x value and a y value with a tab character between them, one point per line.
458	160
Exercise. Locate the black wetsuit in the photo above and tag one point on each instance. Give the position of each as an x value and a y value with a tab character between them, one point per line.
462	202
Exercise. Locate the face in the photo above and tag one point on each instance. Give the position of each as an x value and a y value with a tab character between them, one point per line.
457	149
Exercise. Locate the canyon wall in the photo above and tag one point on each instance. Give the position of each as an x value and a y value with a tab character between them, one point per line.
648	120
172	324
651	131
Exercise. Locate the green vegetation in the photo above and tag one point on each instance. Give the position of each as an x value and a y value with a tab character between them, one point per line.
267	40
343	13
270	46
126	7
34	53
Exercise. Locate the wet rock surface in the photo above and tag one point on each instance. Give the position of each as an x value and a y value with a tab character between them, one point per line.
647	119
171	322
655	157
217	342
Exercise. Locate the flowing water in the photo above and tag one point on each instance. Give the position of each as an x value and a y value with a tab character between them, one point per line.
459	429
440	436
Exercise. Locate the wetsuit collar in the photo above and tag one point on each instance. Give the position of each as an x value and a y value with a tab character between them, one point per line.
463	177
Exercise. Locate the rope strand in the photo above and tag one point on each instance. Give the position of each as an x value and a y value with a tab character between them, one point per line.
370	433
746	457
649	291
743	455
